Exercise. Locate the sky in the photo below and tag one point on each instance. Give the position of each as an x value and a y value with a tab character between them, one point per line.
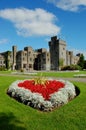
33	23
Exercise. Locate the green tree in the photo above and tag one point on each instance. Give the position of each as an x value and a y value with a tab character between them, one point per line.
85	64
81	61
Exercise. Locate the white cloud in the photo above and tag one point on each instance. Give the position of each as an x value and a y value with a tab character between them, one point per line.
3	41
31	22
70	5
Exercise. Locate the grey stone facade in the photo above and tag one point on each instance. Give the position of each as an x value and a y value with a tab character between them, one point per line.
43	59
57	50
40	59
2	61
59	56
29	59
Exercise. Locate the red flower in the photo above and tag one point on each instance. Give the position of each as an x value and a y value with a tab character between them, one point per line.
46	89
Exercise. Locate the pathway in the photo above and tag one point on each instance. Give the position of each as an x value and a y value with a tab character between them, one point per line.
31	76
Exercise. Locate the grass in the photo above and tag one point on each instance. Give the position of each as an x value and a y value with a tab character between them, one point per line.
67	74
61	73
16	116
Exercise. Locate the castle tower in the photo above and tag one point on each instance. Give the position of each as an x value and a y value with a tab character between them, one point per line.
30	58
57	49
14	51
69	57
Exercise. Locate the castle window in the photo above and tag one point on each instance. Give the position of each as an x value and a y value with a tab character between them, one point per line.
24	65
47	54
30	66
25	54
63	48
48	59
29	52
30	59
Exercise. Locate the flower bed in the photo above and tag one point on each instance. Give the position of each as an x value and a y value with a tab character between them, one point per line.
43	96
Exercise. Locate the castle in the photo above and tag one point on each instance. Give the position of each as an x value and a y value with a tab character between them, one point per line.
40	59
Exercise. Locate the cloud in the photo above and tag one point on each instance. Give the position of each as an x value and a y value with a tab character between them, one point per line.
3	41
28	22
69	5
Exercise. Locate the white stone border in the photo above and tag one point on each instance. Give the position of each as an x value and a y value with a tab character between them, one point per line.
37	101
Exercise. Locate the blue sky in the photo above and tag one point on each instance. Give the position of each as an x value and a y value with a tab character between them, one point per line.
33	23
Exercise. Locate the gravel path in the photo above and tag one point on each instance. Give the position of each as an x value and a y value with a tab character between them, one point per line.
30	76
74	79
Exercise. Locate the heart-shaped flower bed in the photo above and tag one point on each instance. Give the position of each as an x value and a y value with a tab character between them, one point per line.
43	95
46	89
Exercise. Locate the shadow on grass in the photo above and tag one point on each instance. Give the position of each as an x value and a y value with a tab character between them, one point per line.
77	90
9	122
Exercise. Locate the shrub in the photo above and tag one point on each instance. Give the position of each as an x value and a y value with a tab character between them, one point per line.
71	67
21	70
2	68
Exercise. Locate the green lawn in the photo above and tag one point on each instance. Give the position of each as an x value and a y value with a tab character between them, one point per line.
61	73
16	116
48	74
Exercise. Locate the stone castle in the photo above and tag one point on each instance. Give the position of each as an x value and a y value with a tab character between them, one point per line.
40	59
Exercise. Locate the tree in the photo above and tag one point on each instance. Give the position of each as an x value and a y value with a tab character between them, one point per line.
81	61
85	64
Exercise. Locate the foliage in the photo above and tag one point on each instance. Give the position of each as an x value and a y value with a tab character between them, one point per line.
21	70
71	67
85	64
40	80
81	61
2	68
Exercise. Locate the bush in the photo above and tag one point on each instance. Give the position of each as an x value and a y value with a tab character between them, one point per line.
71	67
21	70
2	68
